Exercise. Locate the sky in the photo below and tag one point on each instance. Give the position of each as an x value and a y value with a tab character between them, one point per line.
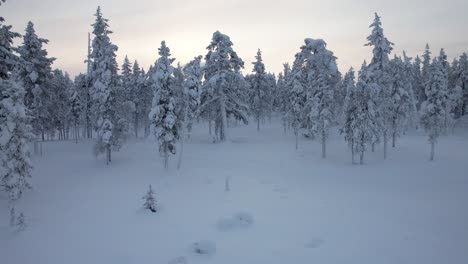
278	28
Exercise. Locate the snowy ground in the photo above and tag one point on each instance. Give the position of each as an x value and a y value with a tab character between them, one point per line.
303	209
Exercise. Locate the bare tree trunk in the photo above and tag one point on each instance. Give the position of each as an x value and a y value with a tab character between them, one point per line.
373	146
209	126
385	145
361	158
352	151
166	156
136	125
223	131
258	123
393	139
108	154
432	151
296	133
324	145
285	125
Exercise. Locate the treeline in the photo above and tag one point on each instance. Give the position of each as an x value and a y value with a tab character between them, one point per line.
387	97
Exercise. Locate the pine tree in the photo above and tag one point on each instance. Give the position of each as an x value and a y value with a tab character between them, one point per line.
366	124
105	81
283	96
323	77
163	115
400	106
150	201
350	110
433	109
223	86
8	59
379	71
418	83
21	222
15	170
126	79
76	109
425	70
192	84
259	93
35	72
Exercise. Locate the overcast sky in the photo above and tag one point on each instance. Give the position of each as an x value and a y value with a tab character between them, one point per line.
278	28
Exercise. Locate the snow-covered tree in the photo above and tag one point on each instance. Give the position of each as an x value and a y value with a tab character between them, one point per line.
105	83
400	101
350	110
150	200
142	96
259	90
425	71
163	115
21	222
433	109
8	59
34	74
15	170
379	71
76	109
418	83
458	85
126	79
322	78
363	123
223	86
192	84
282	97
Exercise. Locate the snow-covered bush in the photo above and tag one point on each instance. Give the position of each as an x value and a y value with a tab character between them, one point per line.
150	201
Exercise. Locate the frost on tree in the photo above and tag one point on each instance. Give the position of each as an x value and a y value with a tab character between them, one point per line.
192	84
322	78
379	69
282	97
400	106
150	200
222	90
433	109
363	122
8	59
163	115
298	93
111	127
34	73
260	93
15	170
458	85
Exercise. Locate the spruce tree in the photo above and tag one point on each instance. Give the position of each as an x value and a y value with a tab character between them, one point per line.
433	109
15	170
401	104
35	72
323	77
192	85
150	200
104	84
259	90
163	114
224	85
379	71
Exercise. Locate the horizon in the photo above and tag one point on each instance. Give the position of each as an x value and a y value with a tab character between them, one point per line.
66	26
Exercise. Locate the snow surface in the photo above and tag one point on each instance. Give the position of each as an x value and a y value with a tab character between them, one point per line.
306	210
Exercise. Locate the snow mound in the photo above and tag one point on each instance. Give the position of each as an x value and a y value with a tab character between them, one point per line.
204	247
178	260
238	220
